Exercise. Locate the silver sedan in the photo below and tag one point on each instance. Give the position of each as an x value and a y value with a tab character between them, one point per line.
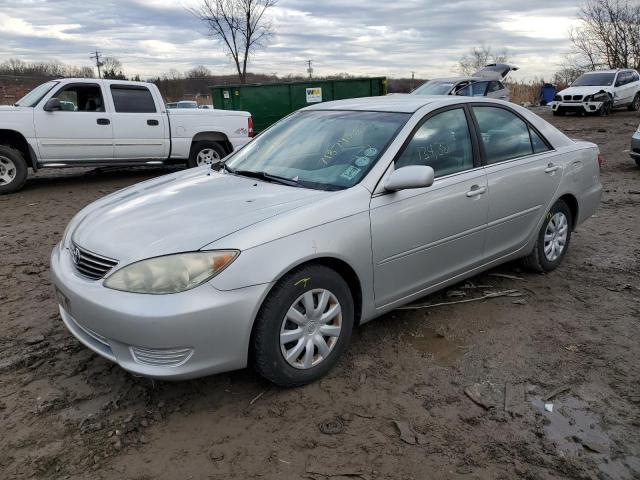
333	216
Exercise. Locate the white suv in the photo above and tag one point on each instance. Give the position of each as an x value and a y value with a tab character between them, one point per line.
599	92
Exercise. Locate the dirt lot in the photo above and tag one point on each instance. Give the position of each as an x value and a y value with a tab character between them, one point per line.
67	413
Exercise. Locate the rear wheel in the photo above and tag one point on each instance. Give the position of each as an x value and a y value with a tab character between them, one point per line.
635	105
13	170
553	239
303	326
206	153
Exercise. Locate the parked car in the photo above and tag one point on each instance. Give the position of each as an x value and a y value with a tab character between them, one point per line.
486	82
335	215
182	104
599	92
88	122
635	147
206	107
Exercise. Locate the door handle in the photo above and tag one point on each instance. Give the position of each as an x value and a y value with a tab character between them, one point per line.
152	122
476	190
551	168
103	121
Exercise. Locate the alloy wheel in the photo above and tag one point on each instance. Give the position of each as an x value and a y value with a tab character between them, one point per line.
7	170
311	329
207	156
555	236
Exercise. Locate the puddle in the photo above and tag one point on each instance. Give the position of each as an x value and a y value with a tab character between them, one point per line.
575	431
426	341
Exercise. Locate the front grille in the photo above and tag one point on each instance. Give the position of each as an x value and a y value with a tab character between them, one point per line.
161	357
89	264
577	97
567	97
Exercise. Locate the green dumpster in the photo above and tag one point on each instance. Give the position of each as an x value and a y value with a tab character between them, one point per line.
269	102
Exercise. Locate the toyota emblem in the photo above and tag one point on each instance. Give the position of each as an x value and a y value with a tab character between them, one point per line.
75	255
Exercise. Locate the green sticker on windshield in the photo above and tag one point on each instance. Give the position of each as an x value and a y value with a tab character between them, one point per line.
350	173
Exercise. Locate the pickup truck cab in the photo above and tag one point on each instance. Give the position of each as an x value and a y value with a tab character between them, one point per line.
599	92
90	122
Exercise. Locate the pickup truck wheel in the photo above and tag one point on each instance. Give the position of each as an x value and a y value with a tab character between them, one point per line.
635	105
13	170
206	153
553	239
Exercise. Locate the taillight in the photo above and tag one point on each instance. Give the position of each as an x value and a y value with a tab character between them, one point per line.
250	127
600	160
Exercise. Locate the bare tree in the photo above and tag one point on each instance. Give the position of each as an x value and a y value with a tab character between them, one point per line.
240	25
112	69
480	56
608	34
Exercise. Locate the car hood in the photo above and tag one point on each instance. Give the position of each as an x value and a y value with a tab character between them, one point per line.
584	90
181	212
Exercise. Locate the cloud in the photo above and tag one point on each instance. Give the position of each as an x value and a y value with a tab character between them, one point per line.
359	37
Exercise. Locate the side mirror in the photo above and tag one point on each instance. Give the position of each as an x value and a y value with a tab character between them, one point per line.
412	176
52	105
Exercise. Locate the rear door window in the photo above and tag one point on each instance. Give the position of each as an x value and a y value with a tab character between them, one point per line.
505	136
477	89
132	99
443	142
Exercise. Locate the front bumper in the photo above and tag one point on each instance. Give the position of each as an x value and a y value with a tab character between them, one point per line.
185	335
635	146
586	107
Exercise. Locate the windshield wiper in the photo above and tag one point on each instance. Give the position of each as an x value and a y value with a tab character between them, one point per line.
265	176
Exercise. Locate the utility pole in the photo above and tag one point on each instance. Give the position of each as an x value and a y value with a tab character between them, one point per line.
310	69
413	75
97	56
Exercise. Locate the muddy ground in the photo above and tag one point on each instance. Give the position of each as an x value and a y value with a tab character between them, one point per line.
67	413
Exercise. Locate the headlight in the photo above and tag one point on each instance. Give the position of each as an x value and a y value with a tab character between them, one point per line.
171	273
588	98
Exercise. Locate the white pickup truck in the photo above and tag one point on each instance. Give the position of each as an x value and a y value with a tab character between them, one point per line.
88	122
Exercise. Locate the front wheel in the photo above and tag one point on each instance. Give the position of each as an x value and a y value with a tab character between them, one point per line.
553	239
605	109
206	153
638	162
558	113
13	170
635	105
303	326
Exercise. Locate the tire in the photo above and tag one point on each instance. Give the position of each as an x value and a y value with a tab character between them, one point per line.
605	109
638	162
540	260
558	113
635	105
13	170
206	153
273	321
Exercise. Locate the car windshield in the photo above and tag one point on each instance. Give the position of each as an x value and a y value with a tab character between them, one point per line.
323	150
434	87
32	98
594	80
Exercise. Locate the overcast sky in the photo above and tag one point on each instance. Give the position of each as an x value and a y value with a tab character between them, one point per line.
365	37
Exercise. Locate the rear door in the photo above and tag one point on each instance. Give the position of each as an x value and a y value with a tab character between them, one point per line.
497	90
522	177
140	128
81	131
